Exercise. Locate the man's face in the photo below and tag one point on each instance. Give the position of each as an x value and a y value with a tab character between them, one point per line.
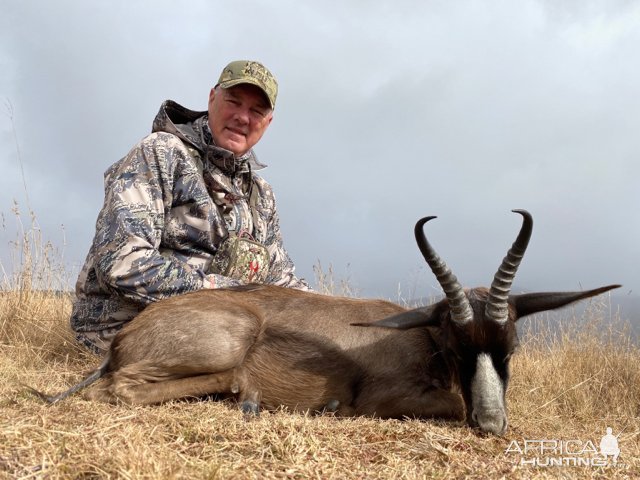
238	117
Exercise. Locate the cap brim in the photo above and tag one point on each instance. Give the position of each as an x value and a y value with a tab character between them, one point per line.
240	81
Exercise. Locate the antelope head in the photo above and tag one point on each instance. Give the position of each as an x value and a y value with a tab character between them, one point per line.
477	327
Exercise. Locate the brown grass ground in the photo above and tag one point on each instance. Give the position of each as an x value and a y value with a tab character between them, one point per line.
566	385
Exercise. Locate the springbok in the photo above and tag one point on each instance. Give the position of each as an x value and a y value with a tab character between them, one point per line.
269	347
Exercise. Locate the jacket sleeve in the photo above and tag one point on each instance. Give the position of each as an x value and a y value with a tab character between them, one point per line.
130	227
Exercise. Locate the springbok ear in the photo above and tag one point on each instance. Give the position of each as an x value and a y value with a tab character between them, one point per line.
418	317
530	303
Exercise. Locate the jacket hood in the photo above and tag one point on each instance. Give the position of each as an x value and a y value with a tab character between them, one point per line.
192	128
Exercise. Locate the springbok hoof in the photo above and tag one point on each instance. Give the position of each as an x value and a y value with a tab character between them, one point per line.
250	408
332	406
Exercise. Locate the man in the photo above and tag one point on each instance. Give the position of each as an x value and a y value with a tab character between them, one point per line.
174	204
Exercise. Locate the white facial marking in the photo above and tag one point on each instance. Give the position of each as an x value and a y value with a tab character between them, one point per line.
487	396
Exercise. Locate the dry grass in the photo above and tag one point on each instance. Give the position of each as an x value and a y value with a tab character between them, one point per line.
569	384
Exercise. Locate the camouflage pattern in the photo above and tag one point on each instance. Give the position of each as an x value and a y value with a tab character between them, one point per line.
169	205
246	71
241	258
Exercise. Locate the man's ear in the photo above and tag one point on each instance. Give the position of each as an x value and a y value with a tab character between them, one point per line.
212	95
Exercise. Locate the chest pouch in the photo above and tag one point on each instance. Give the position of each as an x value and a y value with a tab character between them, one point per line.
242	258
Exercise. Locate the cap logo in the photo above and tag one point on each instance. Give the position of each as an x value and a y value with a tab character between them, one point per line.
257	71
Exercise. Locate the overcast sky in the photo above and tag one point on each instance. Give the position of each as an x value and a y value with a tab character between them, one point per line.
387	112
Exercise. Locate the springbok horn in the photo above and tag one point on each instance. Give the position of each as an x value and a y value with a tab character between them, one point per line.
497	307
461	312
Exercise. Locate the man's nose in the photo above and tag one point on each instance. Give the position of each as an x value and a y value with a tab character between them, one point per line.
242	116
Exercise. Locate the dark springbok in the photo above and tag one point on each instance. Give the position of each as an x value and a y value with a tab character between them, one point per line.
269	347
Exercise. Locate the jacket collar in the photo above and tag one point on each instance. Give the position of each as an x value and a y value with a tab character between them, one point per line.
193	127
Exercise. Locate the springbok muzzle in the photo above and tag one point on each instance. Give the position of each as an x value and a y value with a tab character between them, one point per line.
487	397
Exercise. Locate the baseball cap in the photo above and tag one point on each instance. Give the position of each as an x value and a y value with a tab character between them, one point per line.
254	73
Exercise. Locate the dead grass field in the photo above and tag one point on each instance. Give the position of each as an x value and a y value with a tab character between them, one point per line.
567	385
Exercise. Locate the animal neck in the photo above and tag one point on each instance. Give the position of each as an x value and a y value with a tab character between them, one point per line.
439	361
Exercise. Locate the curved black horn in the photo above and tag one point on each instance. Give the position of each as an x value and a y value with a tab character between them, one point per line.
497	308
460	309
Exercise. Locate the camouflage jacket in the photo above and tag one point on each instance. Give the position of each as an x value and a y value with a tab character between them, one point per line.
169	204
